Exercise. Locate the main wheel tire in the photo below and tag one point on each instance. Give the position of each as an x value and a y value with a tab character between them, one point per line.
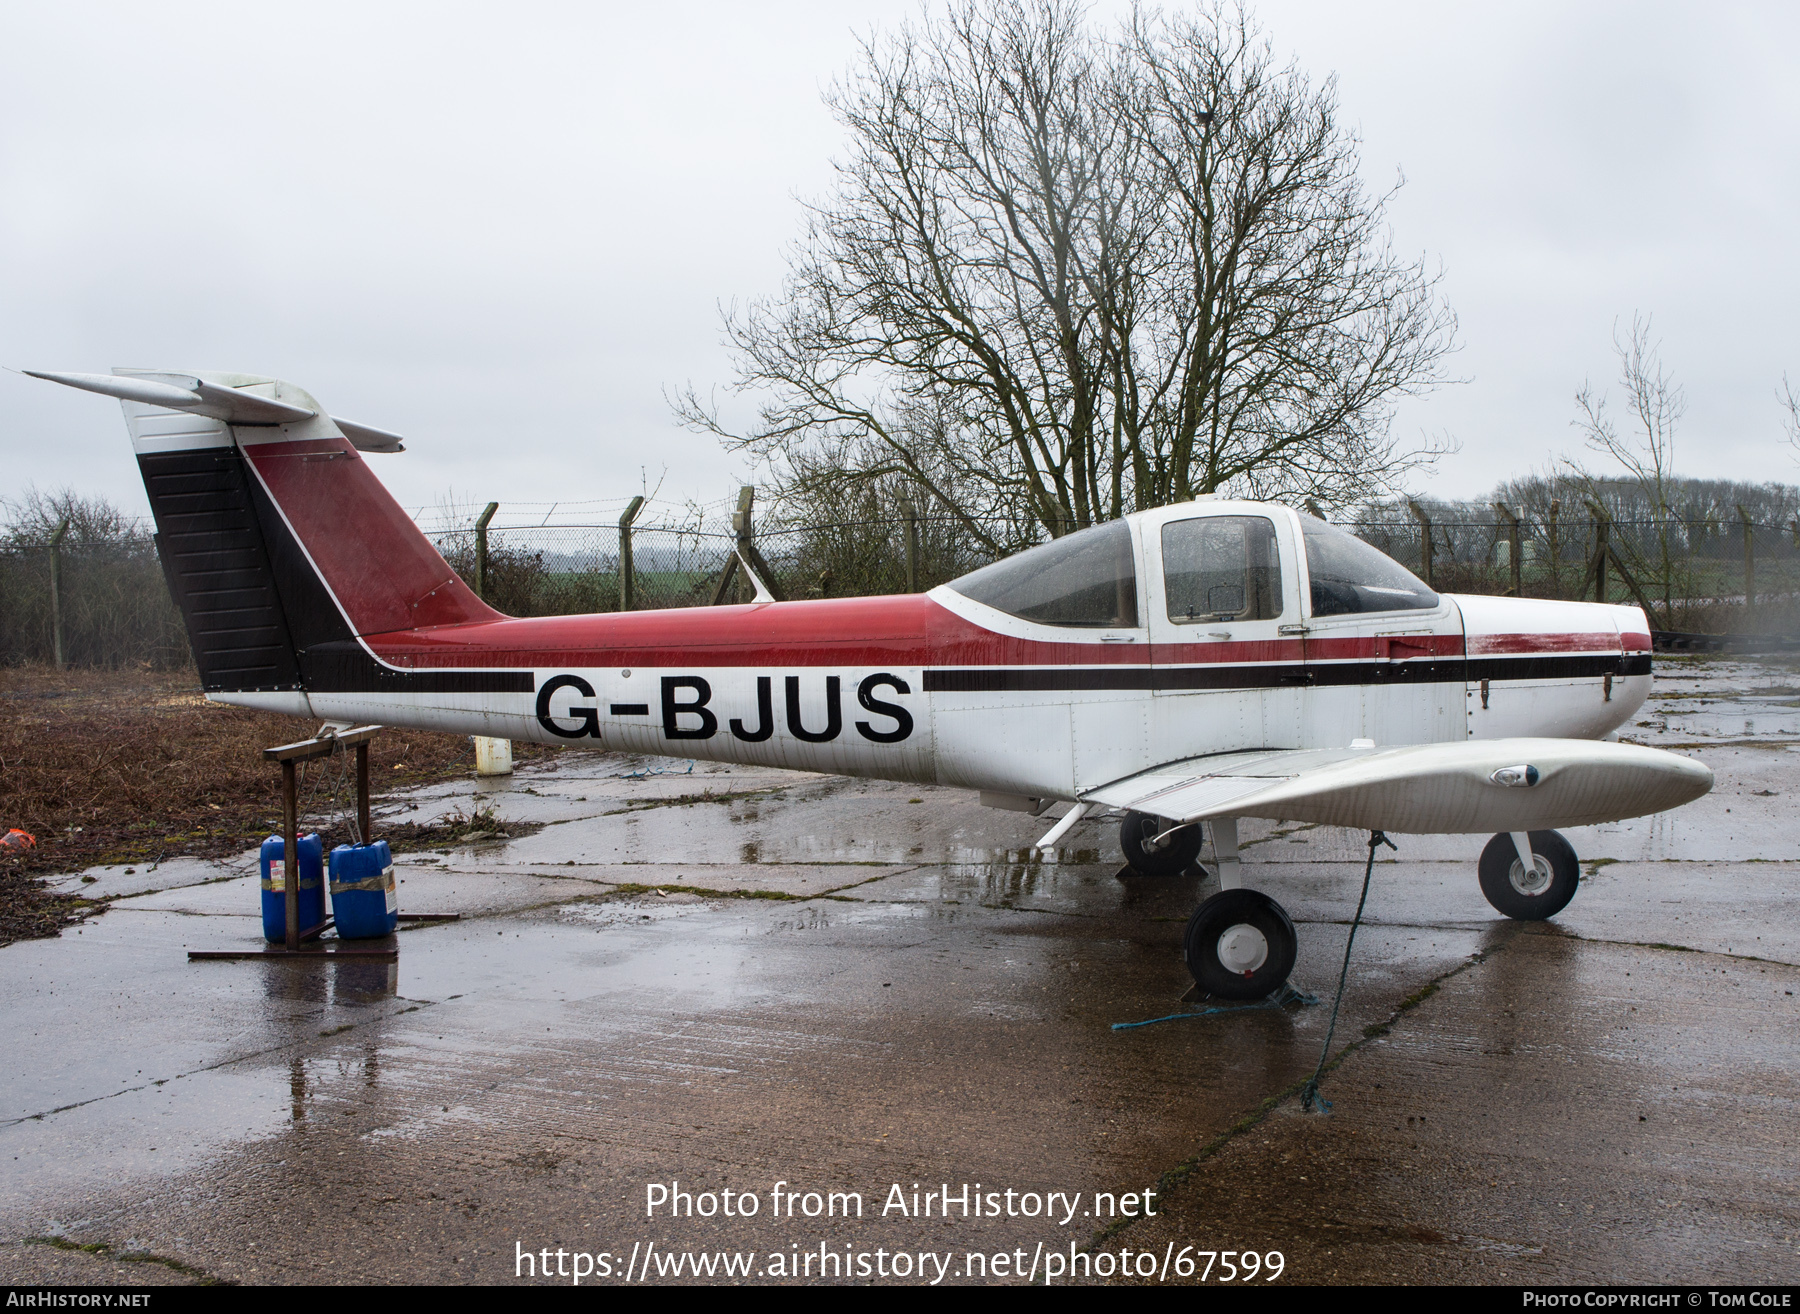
1533	896
1174	855
1240	945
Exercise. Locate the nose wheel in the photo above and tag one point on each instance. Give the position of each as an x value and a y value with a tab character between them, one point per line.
1154	847
1240	945
1544	890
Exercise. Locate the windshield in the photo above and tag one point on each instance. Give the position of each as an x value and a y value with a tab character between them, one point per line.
1350	576
1085	579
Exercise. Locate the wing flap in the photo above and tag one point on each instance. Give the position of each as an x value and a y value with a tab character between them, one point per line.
1459	788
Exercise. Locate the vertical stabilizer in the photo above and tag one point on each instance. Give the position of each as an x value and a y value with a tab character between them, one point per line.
280	545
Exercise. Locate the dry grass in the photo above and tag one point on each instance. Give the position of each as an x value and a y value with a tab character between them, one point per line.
136	766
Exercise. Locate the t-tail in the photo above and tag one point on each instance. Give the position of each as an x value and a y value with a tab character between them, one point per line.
283	550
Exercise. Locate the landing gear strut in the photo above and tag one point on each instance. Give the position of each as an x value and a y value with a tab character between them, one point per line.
1530	895
1154	847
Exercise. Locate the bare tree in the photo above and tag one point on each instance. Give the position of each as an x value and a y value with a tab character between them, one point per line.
1646	449
30	519
1085	273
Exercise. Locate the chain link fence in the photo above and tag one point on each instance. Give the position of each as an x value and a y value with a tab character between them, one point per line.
1711	575
112	608
569	569
102	605
1708	575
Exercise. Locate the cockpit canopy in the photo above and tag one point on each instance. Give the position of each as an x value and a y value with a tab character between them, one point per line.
1224	567
1086	579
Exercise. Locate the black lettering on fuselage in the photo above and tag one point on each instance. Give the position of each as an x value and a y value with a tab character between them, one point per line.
687	712
672	711
865	694
765	715
587	719
834	712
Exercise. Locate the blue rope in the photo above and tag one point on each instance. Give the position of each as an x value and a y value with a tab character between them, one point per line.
1310	1099
1280	999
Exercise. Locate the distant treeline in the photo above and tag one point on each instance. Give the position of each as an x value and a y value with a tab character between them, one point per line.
1703	505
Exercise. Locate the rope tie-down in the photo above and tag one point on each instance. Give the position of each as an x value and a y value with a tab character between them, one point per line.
1279	1000
1310	1099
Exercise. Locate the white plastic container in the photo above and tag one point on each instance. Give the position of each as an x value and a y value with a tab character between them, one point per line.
493	757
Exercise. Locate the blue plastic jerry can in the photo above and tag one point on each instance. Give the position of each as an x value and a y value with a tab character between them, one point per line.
274	886
364	902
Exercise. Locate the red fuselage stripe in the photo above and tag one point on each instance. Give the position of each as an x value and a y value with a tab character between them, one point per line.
909	631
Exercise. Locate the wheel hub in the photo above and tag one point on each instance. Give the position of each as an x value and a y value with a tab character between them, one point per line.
1243	949
1536	881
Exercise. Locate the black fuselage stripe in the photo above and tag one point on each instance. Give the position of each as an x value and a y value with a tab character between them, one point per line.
1274	675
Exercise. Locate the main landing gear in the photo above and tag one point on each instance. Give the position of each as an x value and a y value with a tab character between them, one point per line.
1154	847
1240	944
1529	893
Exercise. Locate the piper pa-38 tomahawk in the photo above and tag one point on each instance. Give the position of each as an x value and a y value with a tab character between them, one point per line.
1195	663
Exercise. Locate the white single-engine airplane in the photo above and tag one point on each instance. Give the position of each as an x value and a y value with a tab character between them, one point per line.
1195	663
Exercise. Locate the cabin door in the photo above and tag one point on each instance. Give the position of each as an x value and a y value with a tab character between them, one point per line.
1222	589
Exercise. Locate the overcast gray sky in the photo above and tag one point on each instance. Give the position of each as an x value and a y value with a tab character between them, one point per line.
504	230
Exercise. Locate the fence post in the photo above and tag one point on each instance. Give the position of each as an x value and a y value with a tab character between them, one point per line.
744	530
1749	561
1424	541
1602	550
1513	554
911	513
56	616
740	527
1555	538
481	555
627	571
752	554
493	757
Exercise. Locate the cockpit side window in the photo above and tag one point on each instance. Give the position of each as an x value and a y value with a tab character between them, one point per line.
1086	580
1350	576
1221	568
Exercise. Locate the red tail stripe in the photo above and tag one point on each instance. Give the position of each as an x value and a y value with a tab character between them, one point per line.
382	570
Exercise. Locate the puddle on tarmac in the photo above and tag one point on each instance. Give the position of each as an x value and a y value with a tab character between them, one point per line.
1701	700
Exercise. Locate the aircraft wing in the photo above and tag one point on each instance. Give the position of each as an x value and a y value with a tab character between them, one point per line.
1474	786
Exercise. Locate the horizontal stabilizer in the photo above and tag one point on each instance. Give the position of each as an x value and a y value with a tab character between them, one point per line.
1471	787
190	394
367	439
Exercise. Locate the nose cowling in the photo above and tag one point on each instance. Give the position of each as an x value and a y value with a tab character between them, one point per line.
1543	666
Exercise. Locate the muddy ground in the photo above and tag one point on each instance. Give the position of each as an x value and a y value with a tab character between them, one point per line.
133	768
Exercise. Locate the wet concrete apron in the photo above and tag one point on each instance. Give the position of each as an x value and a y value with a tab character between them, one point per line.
845	989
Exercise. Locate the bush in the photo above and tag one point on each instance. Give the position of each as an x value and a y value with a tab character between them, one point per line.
116	608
